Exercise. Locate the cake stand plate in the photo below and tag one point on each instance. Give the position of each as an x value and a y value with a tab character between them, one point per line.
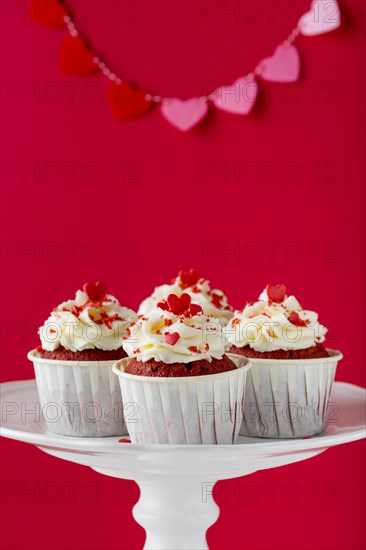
176	481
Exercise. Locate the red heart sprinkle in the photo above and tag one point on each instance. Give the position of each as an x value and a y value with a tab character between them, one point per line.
101	288
172	338
126	101
89	289
276	293
194	309
76	58
163	305
95	291
189	278
47	12
124	440
178	305
295	319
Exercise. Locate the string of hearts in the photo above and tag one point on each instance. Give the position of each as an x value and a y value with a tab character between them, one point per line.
128	101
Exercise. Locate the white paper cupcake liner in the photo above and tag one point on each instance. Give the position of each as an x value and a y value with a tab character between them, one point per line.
288	398
184	410
79	398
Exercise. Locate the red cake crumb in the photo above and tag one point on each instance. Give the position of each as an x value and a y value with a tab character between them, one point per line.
194	368
315	352
62	354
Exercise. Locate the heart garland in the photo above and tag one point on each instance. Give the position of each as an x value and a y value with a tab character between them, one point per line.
128	101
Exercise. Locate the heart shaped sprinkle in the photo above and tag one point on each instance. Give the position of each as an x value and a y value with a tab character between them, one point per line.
172	338
126	101
189	278
101	288
123	440
295	319
95	291
194	309
276	293
178	305
163	305
76	58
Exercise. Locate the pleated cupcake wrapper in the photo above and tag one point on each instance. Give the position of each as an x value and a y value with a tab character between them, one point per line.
79	398
287	399
190	410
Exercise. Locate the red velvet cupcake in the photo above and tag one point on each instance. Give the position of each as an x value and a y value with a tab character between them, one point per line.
289	385
81	340
184	387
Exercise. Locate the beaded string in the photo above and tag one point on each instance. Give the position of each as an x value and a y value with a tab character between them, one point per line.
106	71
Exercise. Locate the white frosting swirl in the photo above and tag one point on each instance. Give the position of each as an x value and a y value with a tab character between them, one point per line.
268	326
197	337
213	302
81	324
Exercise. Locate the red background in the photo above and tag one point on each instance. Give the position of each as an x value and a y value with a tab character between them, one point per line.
158	197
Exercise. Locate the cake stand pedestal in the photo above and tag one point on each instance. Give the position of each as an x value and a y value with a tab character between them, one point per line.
176	481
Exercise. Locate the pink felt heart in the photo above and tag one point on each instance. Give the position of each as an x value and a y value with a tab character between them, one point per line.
184	115
238	98
283	66
324	16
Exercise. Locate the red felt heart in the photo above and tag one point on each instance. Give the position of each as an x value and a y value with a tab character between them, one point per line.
47	12
172	339
95	291
295	319
276	293
76	58
190	277
126	101
194	309
178	305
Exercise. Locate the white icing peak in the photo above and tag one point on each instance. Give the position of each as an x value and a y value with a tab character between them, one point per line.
92	320
213	302
275	322
175	331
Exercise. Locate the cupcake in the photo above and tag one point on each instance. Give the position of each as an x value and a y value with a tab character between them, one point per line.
80	342
180	385
213	302
289	385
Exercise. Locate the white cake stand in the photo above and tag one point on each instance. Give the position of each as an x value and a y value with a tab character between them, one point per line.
176	481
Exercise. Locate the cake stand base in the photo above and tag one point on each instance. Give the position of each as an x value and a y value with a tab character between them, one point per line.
176	481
